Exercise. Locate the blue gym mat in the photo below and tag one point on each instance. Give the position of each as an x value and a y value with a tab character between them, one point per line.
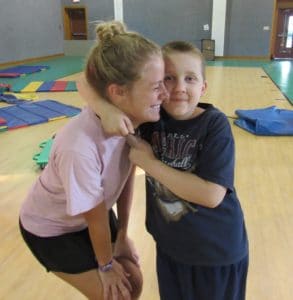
11	99
266	121
22	115
21	70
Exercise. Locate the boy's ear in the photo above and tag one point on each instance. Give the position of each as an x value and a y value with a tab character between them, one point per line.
204	87
116	92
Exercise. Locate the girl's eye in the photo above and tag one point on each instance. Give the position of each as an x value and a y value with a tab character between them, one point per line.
158	87
167	78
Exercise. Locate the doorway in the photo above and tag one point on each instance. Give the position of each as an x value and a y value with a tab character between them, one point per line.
284	37
282	34
75	23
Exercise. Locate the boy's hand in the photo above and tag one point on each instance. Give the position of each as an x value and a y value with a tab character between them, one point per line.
141	153
132	140
84	89
114	121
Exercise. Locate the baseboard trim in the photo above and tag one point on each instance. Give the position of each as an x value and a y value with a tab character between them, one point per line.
28	60
243	57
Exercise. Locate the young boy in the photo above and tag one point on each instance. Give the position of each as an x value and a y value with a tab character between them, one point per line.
193	211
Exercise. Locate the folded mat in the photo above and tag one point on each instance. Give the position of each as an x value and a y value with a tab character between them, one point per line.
266	121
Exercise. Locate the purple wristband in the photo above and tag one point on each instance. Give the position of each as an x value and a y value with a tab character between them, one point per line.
107	267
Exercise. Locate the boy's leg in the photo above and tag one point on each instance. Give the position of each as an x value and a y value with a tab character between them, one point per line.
167	279
221	283
179	281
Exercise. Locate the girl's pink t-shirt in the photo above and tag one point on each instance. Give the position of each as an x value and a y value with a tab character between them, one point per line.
86	167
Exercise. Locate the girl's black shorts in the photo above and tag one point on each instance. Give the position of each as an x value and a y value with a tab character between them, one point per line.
68	253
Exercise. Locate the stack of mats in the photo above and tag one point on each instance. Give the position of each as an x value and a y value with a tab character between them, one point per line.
45	86
18	71
268	121
26	114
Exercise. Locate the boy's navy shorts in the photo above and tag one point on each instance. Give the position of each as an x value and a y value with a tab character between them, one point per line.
68	253
179	281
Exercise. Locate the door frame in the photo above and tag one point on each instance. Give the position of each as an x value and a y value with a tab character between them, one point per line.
277	5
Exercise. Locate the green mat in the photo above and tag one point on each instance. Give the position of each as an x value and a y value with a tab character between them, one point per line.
238	63
42	157
281	72
58	68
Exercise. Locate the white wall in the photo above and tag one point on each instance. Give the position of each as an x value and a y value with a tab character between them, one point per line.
218	25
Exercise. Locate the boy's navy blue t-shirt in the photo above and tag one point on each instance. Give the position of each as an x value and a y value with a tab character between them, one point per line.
191	233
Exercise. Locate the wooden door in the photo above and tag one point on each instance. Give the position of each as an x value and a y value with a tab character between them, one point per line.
75	23
284	34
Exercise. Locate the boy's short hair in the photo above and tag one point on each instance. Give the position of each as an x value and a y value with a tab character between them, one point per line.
184	47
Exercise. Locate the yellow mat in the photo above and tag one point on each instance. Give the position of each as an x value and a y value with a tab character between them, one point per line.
32	87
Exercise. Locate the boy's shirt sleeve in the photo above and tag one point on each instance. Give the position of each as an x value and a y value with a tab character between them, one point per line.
216	158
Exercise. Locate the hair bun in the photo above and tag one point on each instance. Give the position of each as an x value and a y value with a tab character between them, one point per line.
106	31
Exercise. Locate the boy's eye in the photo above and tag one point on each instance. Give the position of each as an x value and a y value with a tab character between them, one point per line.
190	79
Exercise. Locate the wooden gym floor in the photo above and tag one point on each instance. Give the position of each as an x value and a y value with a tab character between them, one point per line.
264	176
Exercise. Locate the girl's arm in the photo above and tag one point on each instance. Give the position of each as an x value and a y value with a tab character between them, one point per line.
100	234
124	246
114	121
114	279
185	185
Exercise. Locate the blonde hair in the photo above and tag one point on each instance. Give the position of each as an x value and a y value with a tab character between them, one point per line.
118	56
184	47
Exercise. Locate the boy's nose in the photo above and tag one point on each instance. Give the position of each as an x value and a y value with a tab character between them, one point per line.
179	86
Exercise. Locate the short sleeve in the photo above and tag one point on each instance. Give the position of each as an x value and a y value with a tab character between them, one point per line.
216	161
81	180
